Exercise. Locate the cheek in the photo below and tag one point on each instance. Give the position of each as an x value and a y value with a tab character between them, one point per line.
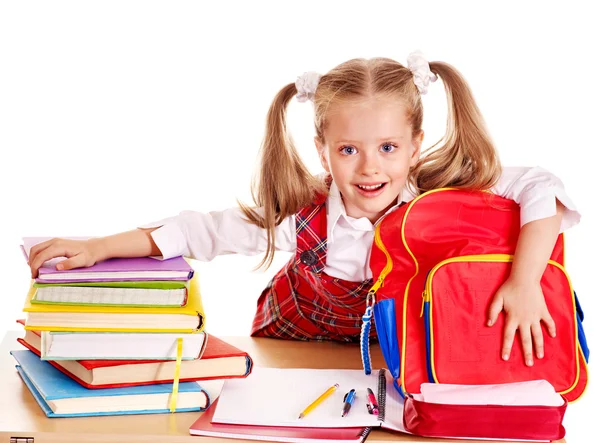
333	163
399	174
331	159
399	167
339	168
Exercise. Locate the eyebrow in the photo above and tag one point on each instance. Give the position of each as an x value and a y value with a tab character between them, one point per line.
383	139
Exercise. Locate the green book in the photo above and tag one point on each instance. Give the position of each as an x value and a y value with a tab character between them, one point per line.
117	293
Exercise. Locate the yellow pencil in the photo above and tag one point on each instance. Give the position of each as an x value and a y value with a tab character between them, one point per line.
316	403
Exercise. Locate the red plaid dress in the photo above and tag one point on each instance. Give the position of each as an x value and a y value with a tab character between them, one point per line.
304	303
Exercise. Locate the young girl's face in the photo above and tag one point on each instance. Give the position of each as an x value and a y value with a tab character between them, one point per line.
368	150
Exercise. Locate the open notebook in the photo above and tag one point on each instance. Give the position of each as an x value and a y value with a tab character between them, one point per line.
286	392
205	426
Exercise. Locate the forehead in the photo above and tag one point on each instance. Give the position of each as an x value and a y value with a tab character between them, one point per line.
368	119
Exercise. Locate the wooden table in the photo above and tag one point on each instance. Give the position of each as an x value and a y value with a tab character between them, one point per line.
20	415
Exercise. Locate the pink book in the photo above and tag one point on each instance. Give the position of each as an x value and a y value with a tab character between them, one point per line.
114	269
205	427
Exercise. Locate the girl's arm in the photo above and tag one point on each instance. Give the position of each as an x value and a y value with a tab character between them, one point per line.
536	190
546	211
204	236
521	295
136	243
201	236
83	253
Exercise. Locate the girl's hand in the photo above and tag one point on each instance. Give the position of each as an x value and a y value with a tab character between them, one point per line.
525	307
79	253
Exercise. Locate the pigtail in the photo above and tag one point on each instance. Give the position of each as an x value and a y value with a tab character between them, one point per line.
466	157
283	184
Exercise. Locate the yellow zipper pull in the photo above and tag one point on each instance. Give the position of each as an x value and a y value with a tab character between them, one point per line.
423	296
377	285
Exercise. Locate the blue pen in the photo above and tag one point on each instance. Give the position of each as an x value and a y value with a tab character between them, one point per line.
348	400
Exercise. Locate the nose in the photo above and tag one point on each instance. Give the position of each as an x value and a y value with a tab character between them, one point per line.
369	164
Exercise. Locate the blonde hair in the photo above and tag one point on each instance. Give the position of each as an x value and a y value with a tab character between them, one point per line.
464	158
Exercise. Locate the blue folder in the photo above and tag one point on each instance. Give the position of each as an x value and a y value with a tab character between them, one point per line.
47	383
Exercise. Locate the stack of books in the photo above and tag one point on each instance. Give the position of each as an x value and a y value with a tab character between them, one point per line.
125	336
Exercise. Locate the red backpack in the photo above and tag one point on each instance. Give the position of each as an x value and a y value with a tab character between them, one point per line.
437	262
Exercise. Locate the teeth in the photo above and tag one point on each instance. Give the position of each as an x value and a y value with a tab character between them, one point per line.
371	188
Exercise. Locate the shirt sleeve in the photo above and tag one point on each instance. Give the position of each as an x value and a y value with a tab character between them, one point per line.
203	236
536	191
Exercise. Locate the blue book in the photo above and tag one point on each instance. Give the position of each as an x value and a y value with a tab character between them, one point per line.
60	396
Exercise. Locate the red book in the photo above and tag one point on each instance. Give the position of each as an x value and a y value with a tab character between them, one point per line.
204	426
220	360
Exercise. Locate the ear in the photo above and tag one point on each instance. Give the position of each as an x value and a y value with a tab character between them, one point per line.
322	151
417	142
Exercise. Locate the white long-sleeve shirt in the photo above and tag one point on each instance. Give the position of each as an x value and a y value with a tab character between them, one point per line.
204	236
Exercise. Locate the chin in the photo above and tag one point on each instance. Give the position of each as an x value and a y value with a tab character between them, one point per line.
373	212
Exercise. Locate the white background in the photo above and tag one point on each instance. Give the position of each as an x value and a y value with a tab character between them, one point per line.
117	113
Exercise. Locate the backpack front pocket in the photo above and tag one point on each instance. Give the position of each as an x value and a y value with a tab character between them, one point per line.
462	349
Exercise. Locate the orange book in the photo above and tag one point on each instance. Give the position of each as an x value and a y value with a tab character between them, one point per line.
220	360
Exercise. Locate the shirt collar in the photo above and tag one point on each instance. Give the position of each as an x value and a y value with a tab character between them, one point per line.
336	211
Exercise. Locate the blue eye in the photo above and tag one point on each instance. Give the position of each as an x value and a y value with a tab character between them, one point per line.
388	147
348	150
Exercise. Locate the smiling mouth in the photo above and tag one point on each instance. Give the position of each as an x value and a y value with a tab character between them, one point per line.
371	187
371	191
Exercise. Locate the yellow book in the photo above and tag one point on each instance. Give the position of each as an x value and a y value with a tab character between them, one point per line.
89	318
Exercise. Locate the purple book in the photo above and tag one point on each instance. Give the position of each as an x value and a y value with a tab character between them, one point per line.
114	269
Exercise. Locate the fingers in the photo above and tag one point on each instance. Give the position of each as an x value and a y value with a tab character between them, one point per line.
495	310
77	261
538	339
549	322
507	341
525	309
34	251
532	338
526	341
53	250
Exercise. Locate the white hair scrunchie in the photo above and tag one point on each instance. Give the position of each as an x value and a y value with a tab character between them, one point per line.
422	75
306	85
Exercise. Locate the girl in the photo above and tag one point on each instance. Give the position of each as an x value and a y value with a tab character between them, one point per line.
368	118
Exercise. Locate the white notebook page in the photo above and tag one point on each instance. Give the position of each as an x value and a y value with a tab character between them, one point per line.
275	397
